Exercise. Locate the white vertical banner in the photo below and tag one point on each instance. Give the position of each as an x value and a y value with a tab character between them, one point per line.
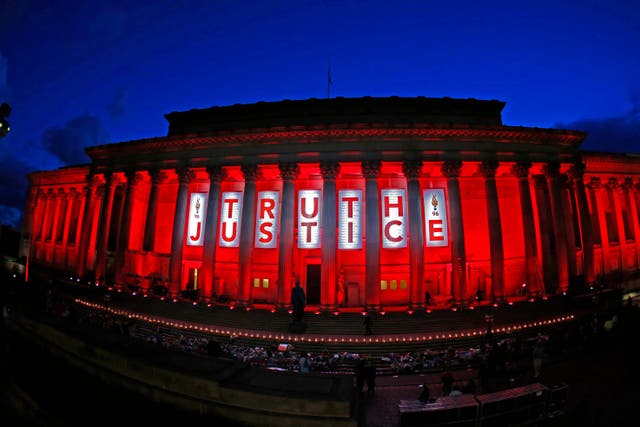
309	219
230	212
197	215
435	217
350	219
394	218
267	219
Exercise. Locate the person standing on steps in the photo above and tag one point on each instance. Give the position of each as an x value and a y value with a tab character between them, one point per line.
367	324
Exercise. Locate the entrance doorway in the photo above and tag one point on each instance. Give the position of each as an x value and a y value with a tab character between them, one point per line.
313	284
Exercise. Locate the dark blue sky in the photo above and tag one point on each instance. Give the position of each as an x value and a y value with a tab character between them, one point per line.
81	73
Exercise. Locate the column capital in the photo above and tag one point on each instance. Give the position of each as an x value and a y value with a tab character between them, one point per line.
185	175
613	184
551	170
93	180
577	170
250	171
133	177
521	169
540	181
627	184
637	186
488	168
74	193
61	192
594	183
111	179
565	181
371	168
329	169
289	171
411	168
451	168
216	173
158	176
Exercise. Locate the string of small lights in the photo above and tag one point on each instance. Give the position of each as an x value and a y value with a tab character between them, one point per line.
336	339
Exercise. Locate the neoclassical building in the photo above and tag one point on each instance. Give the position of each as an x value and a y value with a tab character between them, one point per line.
366	202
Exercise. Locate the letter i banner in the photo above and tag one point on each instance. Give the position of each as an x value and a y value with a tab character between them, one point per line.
435	217
197	216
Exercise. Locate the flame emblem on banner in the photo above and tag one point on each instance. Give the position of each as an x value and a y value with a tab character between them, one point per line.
434	203
197	206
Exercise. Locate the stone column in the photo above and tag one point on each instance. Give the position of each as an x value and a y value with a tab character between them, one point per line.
289	172
329	282
634	196
411	169
551	172
371	170
634	217
72	196
48	215
122	245
38	217
614	187
87	221
247	231
104	226
157	178
521	171
185	175
488	170
27	230
586	227
59	197
567	208
451	170
599	219
216	175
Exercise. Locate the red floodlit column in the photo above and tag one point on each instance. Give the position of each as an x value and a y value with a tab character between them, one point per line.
48	216
634	193
330	171
411	170
105	223
521	170
288	171
185	175
157	178
250	172
488	170
133	179
41	202
567	208
216	175
586	228
451	170
371	170
616	191
71	198
60	196
87	221
552	172
599	218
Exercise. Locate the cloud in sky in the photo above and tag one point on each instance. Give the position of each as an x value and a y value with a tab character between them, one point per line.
67	143
613	134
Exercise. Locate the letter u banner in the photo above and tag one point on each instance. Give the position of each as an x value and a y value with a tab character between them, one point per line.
435	217
197	216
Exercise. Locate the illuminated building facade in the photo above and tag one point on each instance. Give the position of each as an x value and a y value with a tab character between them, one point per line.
367	202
